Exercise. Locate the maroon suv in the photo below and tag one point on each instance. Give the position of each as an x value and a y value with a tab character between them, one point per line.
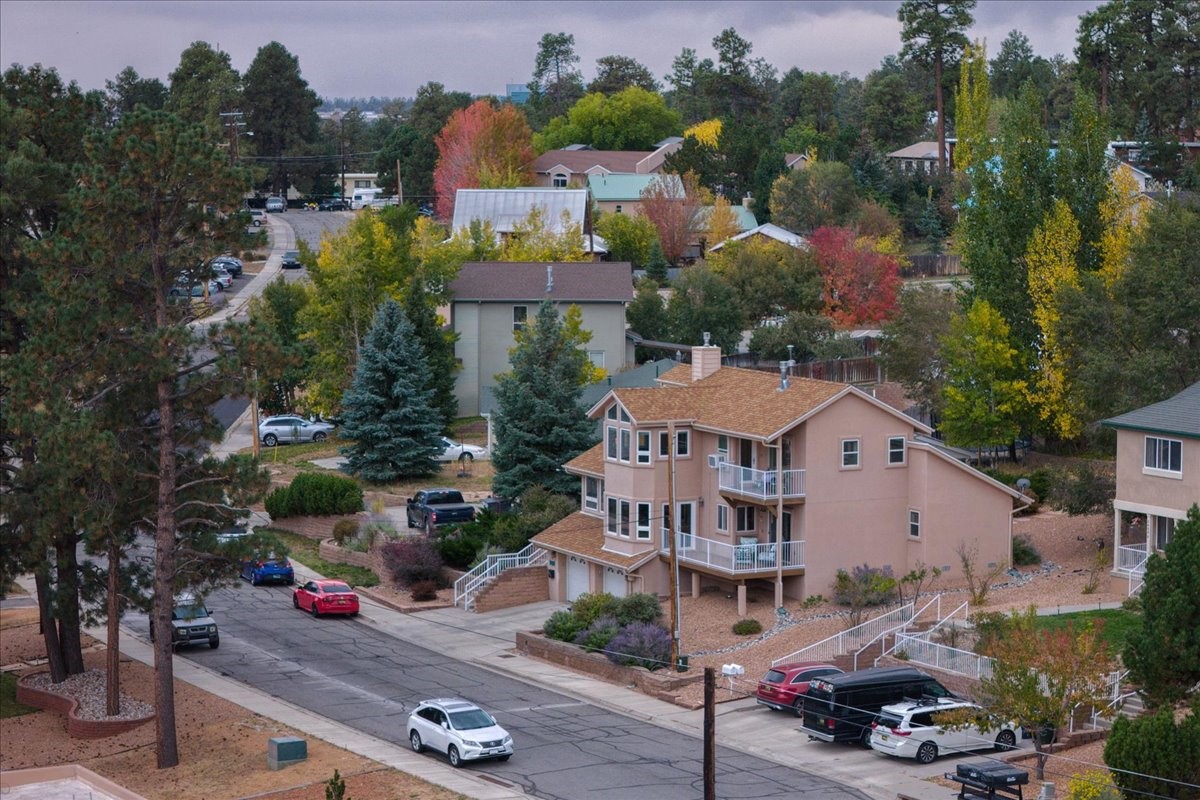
783	687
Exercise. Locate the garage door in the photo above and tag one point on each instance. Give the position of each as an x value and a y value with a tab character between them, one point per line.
577	578
614	581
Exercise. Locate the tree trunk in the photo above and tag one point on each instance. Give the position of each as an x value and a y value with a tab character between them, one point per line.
67	575
164	591
941	117
58	671
113	664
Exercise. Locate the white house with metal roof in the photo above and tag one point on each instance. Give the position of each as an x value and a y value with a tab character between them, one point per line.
767	231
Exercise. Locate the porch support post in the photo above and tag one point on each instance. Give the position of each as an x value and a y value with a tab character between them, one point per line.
1116	538
695	584
779	544
741	593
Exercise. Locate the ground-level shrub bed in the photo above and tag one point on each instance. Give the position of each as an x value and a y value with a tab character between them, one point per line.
307	552
625	629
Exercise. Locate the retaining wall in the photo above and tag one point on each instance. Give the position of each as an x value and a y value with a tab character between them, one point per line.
517	586
77	726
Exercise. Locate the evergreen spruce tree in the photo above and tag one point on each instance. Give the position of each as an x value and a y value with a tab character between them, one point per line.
656	264
541	424
388	407
438	346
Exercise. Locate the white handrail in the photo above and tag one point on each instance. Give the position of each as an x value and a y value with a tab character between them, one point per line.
843	641
466	587
940	656
926	634
936	600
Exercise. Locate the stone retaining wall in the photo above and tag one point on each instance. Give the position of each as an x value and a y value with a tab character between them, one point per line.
517	586
316	527
662	684
77	727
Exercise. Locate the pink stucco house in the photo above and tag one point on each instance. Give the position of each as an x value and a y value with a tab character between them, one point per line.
768	481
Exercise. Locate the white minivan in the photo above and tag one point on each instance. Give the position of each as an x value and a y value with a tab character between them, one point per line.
911	730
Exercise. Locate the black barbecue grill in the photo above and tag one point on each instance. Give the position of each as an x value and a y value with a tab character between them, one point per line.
990	779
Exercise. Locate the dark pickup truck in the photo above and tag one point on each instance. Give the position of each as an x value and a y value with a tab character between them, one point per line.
430	508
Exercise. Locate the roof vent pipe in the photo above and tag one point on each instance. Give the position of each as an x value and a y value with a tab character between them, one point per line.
549	278
707	336
783	375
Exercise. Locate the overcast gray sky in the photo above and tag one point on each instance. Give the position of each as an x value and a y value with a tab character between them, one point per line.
390	48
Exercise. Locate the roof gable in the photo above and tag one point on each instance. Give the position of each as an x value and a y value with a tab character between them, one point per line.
627	187
1179	415
584	160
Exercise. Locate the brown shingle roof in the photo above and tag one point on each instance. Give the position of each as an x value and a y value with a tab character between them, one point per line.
681	375
589	462
582	535
526	280
583	160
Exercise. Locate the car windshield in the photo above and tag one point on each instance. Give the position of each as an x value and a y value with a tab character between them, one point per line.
471	720
336	588
189	612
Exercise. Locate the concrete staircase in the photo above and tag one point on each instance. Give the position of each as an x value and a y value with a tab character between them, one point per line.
516	586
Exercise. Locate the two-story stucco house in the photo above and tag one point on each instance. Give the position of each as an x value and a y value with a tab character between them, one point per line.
493	300
1158	478
781	482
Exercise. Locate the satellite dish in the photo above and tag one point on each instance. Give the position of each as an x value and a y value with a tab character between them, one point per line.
1023	485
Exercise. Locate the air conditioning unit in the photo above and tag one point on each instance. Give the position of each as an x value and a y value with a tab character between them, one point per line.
715	460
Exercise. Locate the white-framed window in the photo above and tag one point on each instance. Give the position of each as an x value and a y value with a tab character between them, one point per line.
643	447
612	411
560	180
686	522
363	184
618	517
682	444
624	415
625	445
850	454
1164	456
610	443
1164	531
596	357
520	315
643	521
664	444
722	517
592	489
914	522
666	512
745	519
895	451
723	446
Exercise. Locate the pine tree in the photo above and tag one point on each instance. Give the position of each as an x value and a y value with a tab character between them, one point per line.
388	407
656	264
541	424
438	345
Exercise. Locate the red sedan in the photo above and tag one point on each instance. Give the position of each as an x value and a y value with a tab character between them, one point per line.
783	687
325	597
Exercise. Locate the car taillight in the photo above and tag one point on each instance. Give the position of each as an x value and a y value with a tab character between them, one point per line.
829	724
898	732
262	563
433	516
874	725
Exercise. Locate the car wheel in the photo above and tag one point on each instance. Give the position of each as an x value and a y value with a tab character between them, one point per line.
408	519
255	579
468	457
798	707
313	610
504	758
270	440
414	739
1006	740
455	758
318	437
214	643
927	752
295	601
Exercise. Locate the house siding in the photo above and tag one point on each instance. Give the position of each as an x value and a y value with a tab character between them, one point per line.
1137	488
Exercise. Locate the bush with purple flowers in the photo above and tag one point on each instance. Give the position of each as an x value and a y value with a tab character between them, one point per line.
641	644
597	635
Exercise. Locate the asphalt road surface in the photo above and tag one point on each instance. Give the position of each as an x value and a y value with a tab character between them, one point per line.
566	749
310	226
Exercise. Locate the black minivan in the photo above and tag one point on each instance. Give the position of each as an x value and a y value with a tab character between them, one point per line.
841	708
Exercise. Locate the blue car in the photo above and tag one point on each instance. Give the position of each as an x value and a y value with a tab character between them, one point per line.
269	569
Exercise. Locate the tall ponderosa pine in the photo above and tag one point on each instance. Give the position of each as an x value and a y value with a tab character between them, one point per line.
541	424
388	407
280	108
437	342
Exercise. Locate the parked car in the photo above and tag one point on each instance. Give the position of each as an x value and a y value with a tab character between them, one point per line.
841	708
222	277
461	730
291	428
784	686
325	597
268	568
276	204
291	259
186	287
191	623
258	217
333	204
232	265
453	451
430	508
911	730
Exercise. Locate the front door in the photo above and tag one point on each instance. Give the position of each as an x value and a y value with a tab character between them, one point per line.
787	531
577	578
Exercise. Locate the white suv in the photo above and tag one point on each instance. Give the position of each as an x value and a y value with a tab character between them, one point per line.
461	730
910	730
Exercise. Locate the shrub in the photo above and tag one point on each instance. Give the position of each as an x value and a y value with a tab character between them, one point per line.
641	644
413	560
1024	553
813	600
866	586
1095	784
423	590
990	626
315	494
588	608
459	546
562	626
345	529
747	627
640	607
597	635
1156	755
1083	491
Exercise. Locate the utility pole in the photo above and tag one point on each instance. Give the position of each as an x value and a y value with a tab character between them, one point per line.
399	185
710	733
254	408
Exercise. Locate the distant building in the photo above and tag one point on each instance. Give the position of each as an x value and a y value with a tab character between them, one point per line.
766	231
921	157
571	166
517	93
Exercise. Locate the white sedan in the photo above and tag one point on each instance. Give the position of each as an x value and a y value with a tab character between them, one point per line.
453	451
461	730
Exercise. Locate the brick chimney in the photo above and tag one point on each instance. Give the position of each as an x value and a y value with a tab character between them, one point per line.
706	359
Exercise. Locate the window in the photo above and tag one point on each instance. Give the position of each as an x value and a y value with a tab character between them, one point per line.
681	443
664	444
722	517
610	446
643	447
666	513
612	412
723	445
685	524
1164	531
746	456
625	445
560	180
745	518
895	450
363	184
618	517
914	523
596	357
624	415
643	521
617	209
849	453
1164	455
591	493
520	314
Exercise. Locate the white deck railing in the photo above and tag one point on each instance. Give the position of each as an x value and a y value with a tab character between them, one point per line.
962	610
469	585
733	559
1132	559
951	659
760	483
850	639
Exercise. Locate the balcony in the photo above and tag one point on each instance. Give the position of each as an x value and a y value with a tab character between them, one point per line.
760	484
759	560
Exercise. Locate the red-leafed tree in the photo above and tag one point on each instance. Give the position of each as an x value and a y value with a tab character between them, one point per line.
482	147
861	278
672	203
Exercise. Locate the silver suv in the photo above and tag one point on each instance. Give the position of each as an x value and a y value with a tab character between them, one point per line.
291	428
912	730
